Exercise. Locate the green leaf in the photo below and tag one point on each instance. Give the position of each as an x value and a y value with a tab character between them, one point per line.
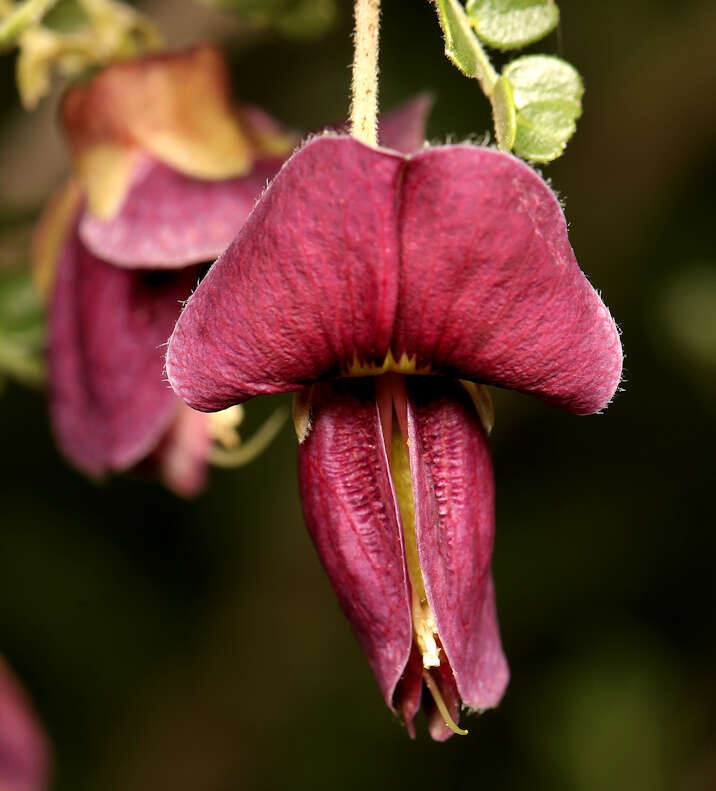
509	24
504	115
547	93
461	45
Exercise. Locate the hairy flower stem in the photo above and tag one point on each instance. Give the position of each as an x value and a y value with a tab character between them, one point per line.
364	87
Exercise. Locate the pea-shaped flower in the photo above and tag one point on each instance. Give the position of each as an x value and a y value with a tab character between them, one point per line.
387	289
166	170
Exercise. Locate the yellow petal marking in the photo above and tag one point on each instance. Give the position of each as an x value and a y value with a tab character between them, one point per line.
404	365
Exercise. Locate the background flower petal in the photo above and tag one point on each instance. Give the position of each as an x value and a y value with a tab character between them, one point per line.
490	288
350	509
403	129
454	522
24	752
175	105
308	285
182	454
170	220
109	402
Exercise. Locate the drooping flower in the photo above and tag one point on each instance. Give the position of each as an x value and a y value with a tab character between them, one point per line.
24	752
166	171
374	284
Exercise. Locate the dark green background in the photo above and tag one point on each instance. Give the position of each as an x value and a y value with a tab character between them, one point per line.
174	646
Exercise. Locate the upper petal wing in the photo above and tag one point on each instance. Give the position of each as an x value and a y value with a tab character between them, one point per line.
308	286
490	288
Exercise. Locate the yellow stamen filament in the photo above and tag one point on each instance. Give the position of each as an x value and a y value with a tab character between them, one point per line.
440	703
424	627
248	451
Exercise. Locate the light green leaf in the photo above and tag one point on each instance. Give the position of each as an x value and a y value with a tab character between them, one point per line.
462	46
547	93
543	129
509	24
536	78
504	115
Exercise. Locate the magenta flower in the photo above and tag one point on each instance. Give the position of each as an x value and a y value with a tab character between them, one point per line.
374	283
24	752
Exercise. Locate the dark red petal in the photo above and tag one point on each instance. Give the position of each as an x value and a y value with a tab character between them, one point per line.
109	401
308	285
350	509
403	129
408	693
24	753
490	288
454	514
170	220
181	456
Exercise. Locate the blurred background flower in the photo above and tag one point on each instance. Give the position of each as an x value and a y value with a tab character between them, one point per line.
173	646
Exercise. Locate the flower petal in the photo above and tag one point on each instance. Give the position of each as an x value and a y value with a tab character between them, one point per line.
454	523
177	106
24	753
108	400
182	454
455	260
169	220
308	285
490	288
350	509
403	129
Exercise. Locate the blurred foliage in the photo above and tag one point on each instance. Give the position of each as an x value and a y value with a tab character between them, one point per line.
71	36
291	18
21	324
171	646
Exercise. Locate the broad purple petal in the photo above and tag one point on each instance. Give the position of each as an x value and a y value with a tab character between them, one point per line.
490	288
109	401
454	515
24	753
309	284
350	509
457	257
170	220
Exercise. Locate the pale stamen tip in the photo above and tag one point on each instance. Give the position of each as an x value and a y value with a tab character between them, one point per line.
442	706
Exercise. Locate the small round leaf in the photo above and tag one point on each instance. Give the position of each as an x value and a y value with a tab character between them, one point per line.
510	24
547	94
